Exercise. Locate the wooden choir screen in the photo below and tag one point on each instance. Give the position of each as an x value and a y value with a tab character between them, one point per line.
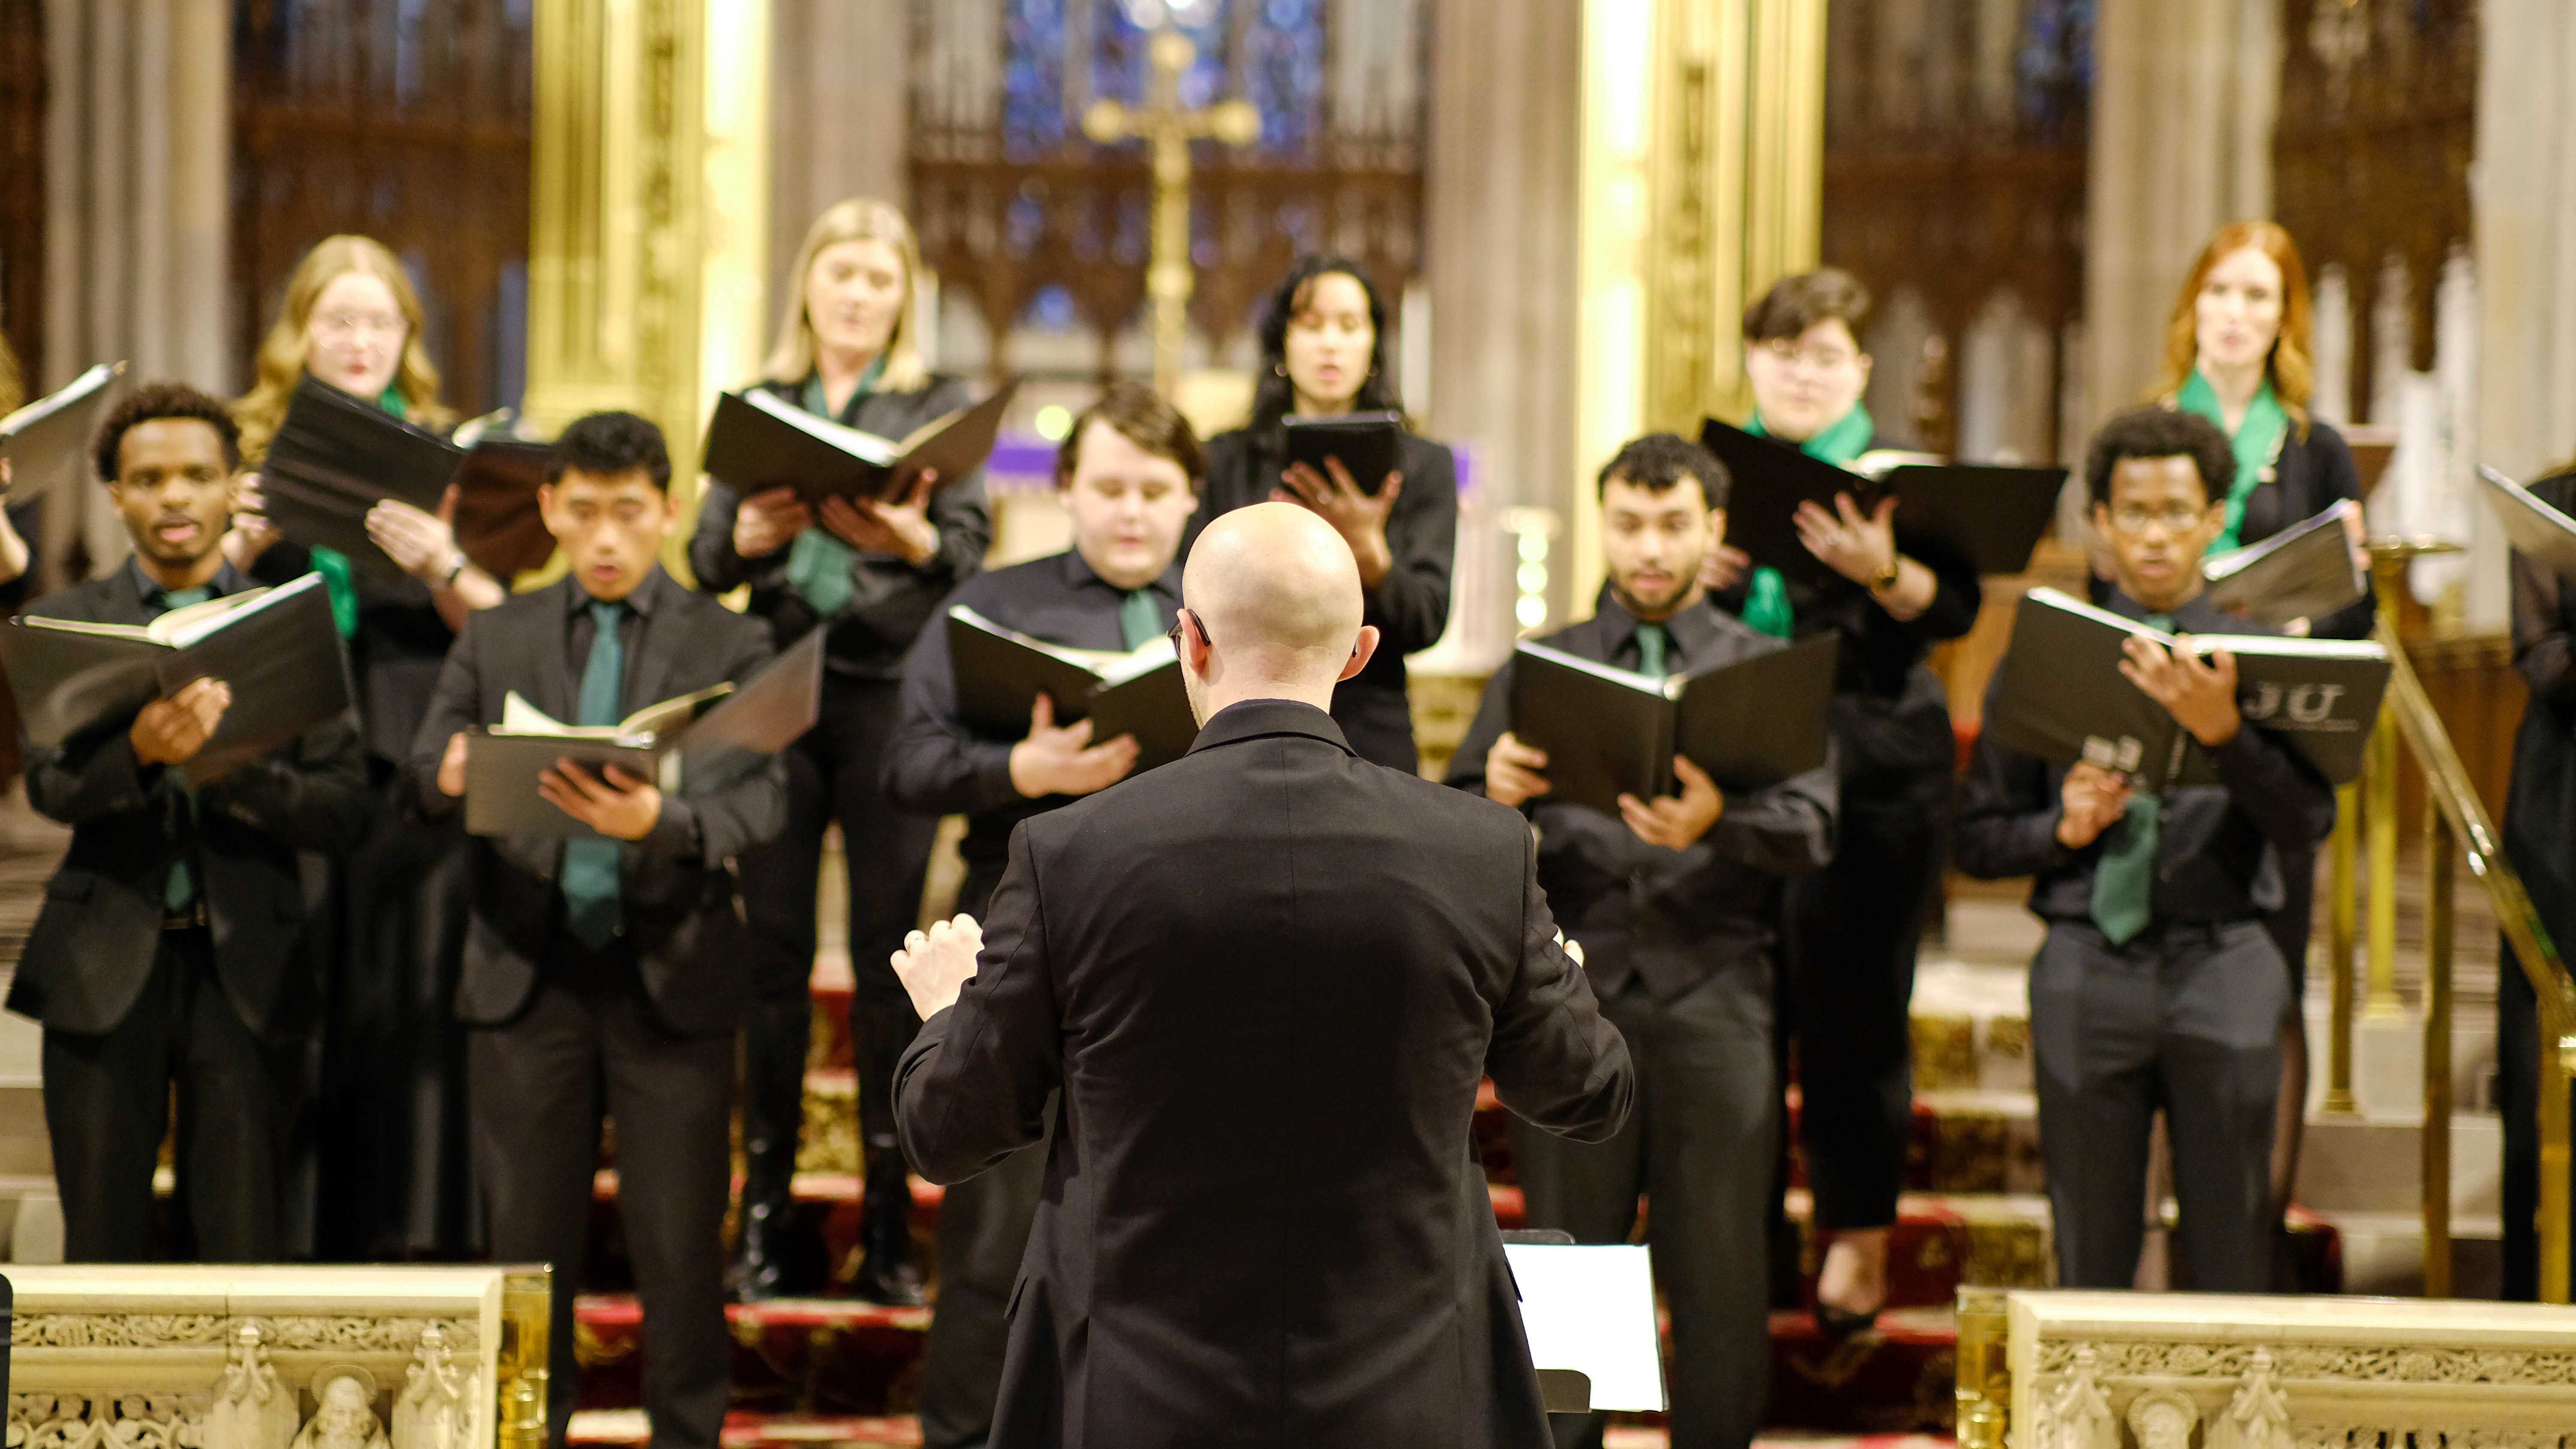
405	120
22	182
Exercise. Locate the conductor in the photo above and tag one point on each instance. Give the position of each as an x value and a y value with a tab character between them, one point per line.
1269	920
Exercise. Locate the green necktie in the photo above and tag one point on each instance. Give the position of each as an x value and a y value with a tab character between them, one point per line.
590	863
2124	878
1139	622
1651	639
180	891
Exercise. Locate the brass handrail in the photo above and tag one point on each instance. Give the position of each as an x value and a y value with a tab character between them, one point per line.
2458	821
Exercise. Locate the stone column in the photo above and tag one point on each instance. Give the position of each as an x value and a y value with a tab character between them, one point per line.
2524	191
1499	188
2184	96
839	117
138	206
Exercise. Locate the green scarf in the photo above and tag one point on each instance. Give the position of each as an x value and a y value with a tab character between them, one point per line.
1766	600
818	564
2257	443
339	582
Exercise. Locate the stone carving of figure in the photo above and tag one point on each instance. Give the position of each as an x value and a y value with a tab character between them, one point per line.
344	1415
2258	1417
2163	1420
2078	1414
434	1411
252	1410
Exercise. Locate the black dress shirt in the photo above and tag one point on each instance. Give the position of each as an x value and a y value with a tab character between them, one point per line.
1671	917
2216	852
890	598
1410	606
940	765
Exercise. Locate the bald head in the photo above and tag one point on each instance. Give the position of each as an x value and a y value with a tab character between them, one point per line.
1280	596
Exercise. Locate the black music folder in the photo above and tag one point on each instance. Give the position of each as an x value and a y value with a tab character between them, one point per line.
2303	572
698	741
757	441
1608	732
277	648
2059	696
497	521
1986	516
1370	445
1000	673
335	457
45	440
2537	531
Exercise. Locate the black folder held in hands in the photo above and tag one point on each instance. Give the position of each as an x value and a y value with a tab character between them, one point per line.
1984	516
2537	531
276	648
1608	732
1370	445
335	457
1000	673
757	441
2303	572
688	744
44	440
2059	696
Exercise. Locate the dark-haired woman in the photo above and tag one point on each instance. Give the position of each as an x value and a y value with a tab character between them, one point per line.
1853	928
1323	352
872	574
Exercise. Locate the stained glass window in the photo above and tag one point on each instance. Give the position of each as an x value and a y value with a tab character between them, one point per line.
2054	69
1060	55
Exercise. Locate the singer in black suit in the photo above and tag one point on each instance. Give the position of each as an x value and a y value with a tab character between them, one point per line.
871	574
168	950
1269	920
1675	901
1323	352
618	959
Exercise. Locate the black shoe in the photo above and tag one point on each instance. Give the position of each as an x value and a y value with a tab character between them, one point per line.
887	1272
758	1271
1837	1324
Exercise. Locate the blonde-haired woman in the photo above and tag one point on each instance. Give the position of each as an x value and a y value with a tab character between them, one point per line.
872	574
350	319
2238	351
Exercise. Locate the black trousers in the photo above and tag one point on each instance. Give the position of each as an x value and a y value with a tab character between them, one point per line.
983	1233
2518	1098
107	1100
832	774
396	1177
1853	931
536	1085
1699	1144
2187	1019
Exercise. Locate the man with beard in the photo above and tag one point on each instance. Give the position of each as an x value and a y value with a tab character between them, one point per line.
1673	902
166	954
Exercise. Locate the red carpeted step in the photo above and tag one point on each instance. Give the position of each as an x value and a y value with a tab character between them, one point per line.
603	1428
1896	1378
834	1357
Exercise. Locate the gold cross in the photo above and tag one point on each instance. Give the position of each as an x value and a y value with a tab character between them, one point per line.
1170	129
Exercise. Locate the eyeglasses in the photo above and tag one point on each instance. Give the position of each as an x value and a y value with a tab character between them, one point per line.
2133	519
1817	359
1184	616
348	324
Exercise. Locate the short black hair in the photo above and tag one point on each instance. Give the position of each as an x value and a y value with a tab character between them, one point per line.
606	444
2152	431
152	402
1797	303
1660	461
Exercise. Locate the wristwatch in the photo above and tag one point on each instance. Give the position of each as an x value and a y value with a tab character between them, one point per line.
455	571
1885	578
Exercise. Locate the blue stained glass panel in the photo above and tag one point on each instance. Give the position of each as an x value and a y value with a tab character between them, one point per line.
1284	72
1033	43
1282	66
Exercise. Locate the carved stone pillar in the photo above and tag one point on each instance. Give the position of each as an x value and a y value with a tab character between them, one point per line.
2184	95
838	114
1702	149
649	214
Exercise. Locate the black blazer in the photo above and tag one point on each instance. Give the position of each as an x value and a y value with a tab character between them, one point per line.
677	886
890	599
1266	918
1410	606
99	930
2540	805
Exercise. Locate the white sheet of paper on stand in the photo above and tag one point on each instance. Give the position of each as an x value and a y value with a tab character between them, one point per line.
1592	1308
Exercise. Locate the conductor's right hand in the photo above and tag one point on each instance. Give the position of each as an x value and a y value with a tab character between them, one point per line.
171	731
2090	802
1054	761
766	521
1512	771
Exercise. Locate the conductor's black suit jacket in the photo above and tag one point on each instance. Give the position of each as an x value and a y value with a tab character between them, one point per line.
99	931
676	886
1267	978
